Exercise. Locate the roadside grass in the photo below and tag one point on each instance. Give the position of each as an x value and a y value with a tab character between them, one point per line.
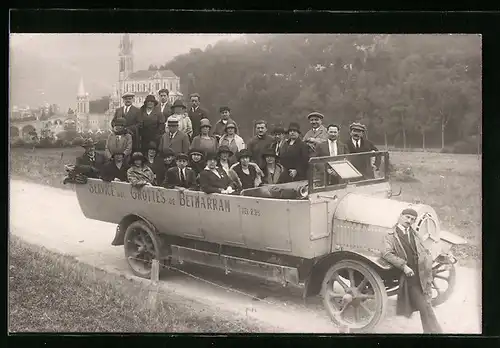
49	292
450	183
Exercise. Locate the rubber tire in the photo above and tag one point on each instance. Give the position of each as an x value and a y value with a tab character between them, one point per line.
374	279
154	237
452	280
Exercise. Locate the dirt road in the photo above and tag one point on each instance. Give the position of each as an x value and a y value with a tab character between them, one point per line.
51	218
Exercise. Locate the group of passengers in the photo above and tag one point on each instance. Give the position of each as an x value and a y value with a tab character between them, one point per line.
143	150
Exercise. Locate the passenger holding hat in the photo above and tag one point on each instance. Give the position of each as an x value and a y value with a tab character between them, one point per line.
294	155
204	141
231	139
358	144
131	115
91	162
174	138
152	122
220	126
179	112
139	174
181	177
318	133
404	249
274	172
214	179
155	162
119	141
116	169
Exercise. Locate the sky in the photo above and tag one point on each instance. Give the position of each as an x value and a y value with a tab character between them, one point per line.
48	67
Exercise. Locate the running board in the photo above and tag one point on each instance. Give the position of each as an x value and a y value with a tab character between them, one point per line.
263	270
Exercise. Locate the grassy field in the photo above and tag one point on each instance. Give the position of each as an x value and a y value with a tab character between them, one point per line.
450	183
53	293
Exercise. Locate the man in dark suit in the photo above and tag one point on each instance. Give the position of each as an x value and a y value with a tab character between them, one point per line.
279	139
131	114
294	155
91	162
182	176
332	147
358	144
196	113
164	105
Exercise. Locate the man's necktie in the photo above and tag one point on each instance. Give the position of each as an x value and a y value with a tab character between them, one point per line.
183	177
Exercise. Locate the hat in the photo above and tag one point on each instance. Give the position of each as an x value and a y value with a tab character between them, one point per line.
230	124
128	94
269	152
152	146
278	130
136	156
196	151
178	103
205	122
183	156
163	90
225	148
317	114
194	95
409	211
293	126
243	153
88	142
120	122
117	153
150	98
168	152
224	108
357	125
172	120
211	156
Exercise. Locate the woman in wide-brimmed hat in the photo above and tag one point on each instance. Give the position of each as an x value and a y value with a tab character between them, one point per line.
295	155
139	173
205	141
231	139
273	171
151	122
249	174
196	160
180	113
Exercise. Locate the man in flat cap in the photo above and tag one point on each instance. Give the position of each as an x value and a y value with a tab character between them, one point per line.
164	104
196	113
404	249
318	133
131	114
357	144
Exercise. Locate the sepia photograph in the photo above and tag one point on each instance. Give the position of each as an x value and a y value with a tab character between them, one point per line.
245	183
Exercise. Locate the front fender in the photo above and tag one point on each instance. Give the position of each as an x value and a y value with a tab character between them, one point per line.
451	238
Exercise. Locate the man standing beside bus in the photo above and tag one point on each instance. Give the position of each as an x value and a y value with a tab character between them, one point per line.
260	143
196	113
318	133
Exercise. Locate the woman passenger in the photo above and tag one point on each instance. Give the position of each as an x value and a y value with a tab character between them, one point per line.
273	171
205	141
232	140
196	161
139	173
214	179
155	162
248	175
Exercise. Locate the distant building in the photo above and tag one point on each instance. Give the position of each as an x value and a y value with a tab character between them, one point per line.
141	82
86	121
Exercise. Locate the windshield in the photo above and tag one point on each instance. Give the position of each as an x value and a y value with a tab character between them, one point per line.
329	173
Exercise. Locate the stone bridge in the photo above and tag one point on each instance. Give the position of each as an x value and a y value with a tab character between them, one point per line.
19	128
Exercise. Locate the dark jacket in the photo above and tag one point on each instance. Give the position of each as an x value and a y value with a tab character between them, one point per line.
152	126
197	166
257	146
158	168
167	110
323	149
363	163
247	181
395	254
119	143
132	119
173	179
211	183
179	143
195	116
296	157
91	168
110	171
278	177
277	148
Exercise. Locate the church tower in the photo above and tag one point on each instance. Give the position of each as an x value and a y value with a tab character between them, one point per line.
83	103
126	57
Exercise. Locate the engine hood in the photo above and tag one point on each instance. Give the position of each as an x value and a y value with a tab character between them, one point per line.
384	212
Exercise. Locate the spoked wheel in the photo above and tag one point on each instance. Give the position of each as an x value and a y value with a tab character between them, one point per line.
443	282
358	301
141	248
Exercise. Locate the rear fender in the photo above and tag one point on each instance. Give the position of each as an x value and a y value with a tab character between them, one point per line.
123	225
314	280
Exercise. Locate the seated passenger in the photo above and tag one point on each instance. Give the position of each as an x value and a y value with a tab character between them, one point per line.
169	159
155	162
294	155
120	141
116	169
225	158
182	176
274	173
196	161
91	162
248	175
213	179
231	139
139	173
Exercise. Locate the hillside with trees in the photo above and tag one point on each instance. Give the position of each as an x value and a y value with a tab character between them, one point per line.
410	90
